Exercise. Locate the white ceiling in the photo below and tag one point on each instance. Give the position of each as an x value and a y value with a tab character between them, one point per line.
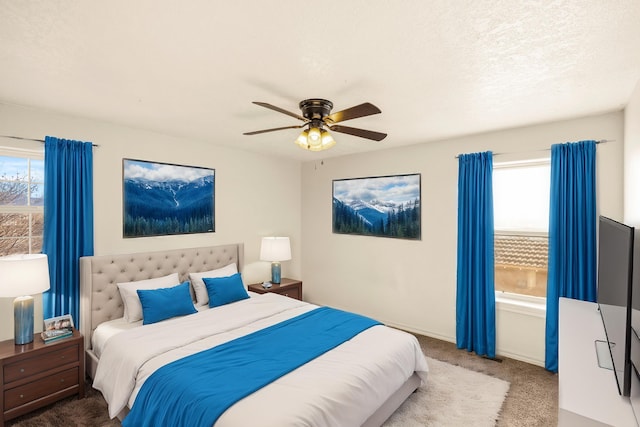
436	68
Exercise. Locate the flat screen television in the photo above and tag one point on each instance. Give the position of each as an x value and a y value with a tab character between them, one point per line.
635	308
615	278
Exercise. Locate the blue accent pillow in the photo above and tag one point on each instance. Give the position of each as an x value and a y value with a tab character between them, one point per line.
165	303
225	290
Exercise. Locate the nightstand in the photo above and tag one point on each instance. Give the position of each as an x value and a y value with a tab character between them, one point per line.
287	287
38	374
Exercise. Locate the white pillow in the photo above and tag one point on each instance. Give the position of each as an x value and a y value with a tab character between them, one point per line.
202	296
132	305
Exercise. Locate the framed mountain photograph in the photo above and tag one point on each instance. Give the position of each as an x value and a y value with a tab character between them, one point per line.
383	206
164	199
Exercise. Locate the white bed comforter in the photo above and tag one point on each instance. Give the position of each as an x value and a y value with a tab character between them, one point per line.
340	388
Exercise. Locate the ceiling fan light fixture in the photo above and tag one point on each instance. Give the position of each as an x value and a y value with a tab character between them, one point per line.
327	140
301	141
317	117
314	137
323	142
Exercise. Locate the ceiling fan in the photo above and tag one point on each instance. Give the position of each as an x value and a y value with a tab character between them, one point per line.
318	120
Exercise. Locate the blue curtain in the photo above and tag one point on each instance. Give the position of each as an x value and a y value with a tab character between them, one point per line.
68	221
572	234
475	300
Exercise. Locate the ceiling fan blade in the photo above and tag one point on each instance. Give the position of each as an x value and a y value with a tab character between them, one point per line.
280	110
366	109
274	129
362	133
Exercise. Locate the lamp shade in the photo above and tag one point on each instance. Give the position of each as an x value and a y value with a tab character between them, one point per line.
302	139
275	249
315	139
23	275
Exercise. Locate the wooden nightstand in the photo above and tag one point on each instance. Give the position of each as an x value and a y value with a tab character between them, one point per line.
37	374
287	287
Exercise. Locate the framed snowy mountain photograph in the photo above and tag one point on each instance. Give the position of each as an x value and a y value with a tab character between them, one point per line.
163	199
383	206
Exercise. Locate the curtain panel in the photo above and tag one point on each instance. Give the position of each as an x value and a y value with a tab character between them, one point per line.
475	297
572	234
68	221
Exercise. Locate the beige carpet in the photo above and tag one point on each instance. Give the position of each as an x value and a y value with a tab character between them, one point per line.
532	400
453	396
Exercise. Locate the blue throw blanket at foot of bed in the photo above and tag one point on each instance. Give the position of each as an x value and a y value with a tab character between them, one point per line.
196	390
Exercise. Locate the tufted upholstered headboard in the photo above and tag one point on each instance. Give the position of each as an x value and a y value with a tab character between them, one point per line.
99	275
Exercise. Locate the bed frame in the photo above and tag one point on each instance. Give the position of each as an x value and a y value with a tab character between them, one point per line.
100	299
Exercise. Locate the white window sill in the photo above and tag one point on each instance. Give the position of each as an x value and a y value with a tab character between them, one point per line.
521	304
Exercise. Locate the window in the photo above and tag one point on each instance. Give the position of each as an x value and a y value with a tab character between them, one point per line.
521	222
21	202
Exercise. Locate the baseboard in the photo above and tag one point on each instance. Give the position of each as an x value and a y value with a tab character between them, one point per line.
499	352
521	358
420	331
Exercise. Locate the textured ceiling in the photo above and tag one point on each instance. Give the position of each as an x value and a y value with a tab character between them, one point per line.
436	69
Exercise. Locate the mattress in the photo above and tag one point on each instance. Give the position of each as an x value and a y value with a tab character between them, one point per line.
342	387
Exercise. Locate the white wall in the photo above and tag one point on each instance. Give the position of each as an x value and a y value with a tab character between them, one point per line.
412	284
250	203
632	159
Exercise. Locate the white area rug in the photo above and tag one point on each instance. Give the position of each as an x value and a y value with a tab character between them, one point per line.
452	396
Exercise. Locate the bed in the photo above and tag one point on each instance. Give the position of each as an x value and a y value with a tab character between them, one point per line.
357	383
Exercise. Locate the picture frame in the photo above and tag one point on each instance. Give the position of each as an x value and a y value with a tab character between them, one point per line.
166	199
64	322
380	206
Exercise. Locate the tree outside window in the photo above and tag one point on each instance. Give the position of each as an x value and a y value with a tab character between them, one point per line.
21	203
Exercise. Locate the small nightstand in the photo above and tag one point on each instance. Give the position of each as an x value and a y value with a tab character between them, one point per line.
38	374
287	287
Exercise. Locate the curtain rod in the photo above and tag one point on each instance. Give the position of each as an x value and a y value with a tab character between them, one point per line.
31	139
601	141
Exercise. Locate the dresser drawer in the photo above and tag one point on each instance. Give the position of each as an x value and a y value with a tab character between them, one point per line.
37	374
30	366
43	387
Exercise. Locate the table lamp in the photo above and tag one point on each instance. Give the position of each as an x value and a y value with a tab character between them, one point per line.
275	249
22	276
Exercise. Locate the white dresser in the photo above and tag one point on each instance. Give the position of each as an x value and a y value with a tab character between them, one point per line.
588	394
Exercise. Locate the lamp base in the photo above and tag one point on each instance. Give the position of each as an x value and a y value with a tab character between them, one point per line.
23	320
275	273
